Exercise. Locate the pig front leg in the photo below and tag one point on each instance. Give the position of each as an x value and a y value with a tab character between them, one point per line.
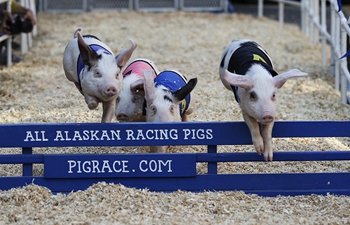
78	87
184	118
253	126
267	138
186	115
91	101
108	111
160	149
153	149
189	110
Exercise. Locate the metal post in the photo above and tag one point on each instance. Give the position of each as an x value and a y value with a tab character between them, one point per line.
260	8
336	46
316	21
324	31
333	18
303	16
344	62
307	18
281	12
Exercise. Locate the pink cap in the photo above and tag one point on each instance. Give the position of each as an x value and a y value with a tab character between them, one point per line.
139	65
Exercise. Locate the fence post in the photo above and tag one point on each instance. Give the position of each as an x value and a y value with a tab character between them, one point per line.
317	31
212	166
343	63
307	18
27	168
260	8
281	12
303	16
324	31
336	44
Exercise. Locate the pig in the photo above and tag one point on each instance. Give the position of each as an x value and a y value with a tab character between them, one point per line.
92	67
168	98
129	104
247	70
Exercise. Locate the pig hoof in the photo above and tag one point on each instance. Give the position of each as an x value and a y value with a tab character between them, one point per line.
92	105
259	149
268	157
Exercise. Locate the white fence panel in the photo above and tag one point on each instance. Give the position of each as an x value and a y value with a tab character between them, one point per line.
314	24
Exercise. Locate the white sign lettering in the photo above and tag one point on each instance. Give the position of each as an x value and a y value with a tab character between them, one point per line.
118	166
118	135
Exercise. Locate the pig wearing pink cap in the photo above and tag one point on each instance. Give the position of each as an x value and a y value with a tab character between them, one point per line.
247	70
129	107
92	67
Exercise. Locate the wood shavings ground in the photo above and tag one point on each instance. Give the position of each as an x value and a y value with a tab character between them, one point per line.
36	91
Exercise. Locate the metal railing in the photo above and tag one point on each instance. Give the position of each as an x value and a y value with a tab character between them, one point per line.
314	24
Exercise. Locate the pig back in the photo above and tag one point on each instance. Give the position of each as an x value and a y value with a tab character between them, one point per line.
70	57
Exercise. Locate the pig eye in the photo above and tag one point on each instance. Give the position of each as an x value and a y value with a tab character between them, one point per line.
118	99
97	74
117	75
253	96
153	110
172	109
273	96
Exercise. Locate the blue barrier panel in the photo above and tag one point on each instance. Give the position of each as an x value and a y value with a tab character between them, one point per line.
173	171
121	165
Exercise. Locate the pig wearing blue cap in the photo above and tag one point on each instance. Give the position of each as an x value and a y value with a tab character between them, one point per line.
168	98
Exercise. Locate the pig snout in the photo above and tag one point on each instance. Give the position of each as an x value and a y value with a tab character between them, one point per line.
111	91
122	116
108	90
267	118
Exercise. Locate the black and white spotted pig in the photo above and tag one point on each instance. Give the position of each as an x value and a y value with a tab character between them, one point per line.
247	70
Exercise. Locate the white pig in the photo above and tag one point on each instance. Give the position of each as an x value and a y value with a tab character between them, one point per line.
129	107
247	71
92	67
168	98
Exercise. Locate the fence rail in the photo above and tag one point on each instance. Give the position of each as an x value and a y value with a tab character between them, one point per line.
172	171
138	5
314	23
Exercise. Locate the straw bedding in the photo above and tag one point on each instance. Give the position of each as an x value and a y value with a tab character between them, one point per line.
36	91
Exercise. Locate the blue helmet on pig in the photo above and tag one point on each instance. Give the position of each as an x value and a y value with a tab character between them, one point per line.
174	81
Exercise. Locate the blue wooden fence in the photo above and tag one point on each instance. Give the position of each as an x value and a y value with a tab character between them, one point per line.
172	171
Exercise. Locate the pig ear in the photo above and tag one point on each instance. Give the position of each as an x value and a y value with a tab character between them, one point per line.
149	88
280	79
124	56
76	32
185	90
238	80
137	87
88	55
